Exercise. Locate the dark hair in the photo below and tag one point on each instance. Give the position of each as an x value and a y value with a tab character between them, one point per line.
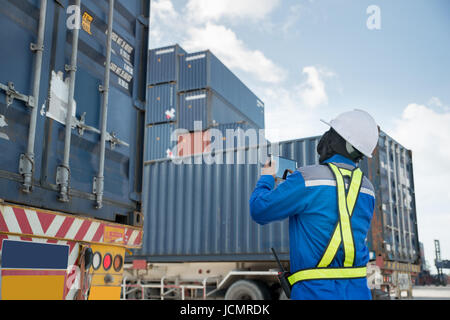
332	143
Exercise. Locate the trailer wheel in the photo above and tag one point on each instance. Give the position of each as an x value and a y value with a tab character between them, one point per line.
247	290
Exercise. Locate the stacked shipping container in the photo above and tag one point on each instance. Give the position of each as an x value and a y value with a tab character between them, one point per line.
187	88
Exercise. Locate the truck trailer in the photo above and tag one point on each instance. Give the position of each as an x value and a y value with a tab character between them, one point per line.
200	241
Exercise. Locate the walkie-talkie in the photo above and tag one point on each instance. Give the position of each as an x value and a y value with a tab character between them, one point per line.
283	276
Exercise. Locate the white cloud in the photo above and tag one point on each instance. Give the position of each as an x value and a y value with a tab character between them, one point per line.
427	133
312	91
292	18
208	10
233	52
164	22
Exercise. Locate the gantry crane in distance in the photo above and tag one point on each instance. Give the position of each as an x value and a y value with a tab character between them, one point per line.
440	264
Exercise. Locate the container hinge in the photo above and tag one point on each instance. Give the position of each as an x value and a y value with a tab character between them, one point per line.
26	168
12	94
63	182
113	140
143	20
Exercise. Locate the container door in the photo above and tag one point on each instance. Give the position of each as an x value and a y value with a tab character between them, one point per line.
125	120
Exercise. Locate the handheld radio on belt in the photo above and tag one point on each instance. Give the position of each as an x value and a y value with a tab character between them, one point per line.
283	276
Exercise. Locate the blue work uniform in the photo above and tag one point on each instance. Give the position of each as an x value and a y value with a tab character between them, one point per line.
309	199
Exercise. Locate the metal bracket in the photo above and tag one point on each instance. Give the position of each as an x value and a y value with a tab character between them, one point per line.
113	140
82	126
101	88
34	47
69	68
12	94
143	20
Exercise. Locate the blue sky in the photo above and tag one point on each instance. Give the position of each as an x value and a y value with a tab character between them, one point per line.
312	59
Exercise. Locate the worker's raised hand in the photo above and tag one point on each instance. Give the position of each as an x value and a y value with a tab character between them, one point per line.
269	169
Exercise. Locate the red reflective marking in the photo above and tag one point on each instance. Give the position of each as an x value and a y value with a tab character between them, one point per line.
3	226
23	223
83	229
33	272
98	235
45	219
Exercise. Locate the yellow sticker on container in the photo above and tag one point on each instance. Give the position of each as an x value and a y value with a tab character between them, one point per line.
114	234
86	22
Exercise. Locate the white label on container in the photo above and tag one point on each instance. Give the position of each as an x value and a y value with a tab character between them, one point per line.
199	56
160	52
200	96
59	98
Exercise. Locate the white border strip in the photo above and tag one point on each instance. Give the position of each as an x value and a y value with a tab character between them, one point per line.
160	52
199	56
196	97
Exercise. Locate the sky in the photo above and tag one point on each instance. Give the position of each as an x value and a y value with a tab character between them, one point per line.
314	59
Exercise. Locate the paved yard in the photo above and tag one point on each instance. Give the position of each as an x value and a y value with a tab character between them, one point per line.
431	293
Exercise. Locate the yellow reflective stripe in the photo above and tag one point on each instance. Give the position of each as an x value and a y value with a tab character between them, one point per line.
344	219
350	201
345	172
327	273
332	248
353	191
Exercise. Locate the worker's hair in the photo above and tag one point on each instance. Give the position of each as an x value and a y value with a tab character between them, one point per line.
332	143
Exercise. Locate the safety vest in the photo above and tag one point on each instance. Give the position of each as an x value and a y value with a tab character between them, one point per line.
341	234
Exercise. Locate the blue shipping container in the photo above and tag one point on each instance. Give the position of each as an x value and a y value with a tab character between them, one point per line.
161	104
203	70
208	108
164	64
159	144
19	21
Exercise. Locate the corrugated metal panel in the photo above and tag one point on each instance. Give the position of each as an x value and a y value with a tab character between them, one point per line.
161	104
18	28
201	213
164	64
203	70
159	142
209	108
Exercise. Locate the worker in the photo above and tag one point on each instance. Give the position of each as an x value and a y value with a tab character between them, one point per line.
330	207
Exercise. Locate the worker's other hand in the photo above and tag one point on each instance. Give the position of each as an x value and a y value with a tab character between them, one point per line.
269	169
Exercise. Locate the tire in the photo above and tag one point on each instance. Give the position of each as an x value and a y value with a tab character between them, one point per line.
247	290
283	296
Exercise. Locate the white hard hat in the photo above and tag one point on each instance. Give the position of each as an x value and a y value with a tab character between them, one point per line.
358	128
